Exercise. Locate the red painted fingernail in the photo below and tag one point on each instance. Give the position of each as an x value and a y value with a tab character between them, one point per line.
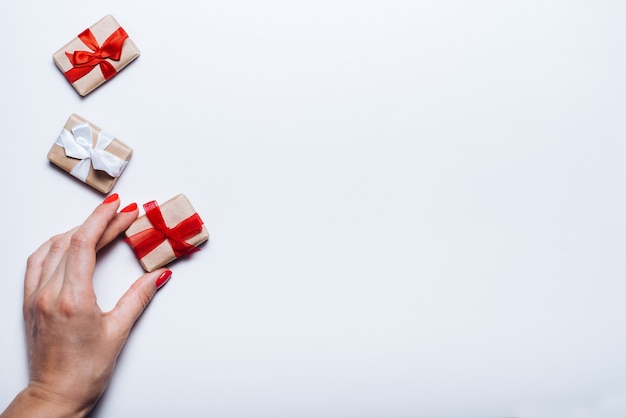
163	278
111	198
130	208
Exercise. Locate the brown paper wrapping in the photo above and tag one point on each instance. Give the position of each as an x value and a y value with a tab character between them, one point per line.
174	211
97	179
101	31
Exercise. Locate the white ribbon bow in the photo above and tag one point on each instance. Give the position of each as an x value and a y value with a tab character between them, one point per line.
78	144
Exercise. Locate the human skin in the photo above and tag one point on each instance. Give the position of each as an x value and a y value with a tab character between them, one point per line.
72	344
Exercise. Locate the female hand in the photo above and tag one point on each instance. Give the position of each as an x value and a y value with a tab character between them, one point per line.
72	345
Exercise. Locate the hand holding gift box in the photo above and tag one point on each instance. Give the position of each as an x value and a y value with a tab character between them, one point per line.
89	155
166	232
96	55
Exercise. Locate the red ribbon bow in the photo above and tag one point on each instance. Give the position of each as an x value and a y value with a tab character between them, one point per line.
85	61
145	241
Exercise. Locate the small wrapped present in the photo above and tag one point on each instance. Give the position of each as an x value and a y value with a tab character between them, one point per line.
166	232
84	151
96	55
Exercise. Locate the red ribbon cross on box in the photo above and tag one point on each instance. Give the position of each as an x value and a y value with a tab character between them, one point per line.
85	61
145	241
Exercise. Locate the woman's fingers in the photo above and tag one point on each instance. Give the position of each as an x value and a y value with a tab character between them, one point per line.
81	253
79	244
119	224
34	268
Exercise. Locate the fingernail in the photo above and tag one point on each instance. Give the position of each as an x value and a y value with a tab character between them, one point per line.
111	198
130	208
163	278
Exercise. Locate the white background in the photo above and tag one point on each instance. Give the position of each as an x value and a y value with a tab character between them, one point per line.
416	208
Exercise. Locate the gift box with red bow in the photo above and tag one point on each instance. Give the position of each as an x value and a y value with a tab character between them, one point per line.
94	157
166	232
96	55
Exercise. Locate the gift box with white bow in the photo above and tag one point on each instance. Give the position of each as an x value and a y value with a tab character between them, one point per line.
90	155
96	55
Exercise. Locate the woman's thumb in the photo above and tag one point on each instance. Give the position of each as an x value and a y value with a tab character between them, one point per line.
132	304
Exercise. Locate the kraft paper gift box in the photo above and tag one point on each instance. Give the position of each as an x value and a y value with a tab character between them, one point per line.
96	55
90	155
166	232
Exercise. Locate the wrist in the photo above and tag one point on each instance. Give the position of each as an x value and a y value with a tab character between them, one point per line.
37	402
